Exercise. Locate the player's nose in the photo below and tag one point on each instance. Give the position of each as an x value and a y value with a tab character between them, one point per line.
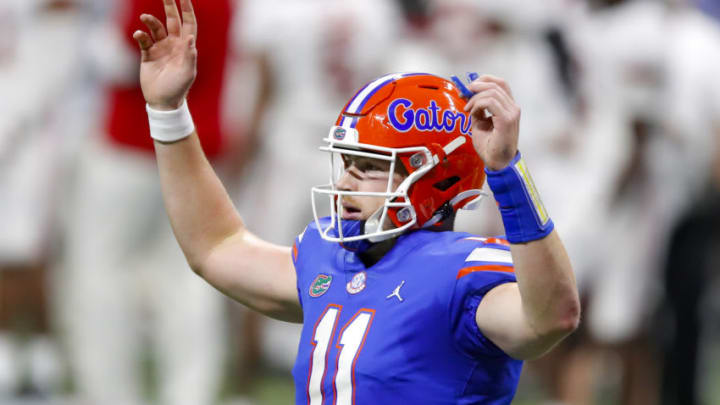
346	182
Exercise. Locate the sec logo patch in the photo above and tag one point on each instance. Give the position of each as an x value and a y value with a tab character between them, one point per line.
357	283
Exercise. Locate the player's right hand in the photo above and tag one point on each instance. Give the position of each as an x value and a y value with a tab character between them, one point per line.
495	137
168	56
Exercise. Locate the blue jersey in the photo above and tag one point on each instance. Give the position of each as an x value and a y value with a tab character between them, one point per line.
404	329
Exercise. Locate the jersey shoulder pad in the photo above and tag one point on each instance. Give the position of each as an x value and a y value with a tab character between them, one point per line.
484	254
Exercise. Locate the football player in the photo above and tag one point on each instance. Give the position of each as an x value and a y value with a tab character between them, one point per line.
395	307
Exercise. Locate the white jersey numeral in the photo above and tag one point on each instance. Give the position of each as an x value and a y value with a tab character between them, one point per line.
350	342
324	331
352	338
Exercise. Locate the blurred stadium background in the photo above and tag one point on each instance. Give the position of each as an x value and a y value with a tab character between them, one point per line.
621	126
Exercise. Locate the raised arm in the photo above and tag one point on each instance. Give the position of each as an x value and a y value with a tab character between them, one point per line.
526	318
210	232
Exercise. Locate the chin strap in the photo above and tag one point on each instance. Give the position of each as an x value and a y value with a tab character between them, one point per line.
449	207
472	204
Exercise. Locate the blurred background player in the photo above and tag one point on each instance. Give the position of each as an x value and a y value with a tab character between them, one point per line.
39	66
691	308
657	174
123	285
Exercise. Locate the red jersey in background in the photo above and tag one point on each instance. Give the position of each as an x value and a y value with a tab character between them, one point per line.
126	122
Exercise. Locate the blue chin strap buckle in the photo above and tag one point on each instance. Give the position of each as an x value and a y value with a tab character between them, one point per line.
464	91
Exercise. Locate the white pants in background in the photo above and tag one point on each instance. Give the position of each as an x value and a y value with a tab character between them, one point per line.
124	286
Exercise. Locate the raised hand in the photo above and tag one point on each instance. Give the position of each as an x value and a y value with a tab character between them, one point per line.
169	58
495	137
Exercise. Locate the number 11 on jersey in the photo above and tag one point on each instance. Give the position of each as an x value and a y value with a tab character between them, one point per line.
349	344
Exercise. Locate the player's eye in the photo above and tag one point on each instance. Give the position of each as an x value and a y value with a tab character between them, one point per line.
364	164
369	166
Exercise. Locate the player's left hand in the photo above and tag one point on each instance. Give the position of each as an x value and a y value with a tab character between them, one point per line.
495	137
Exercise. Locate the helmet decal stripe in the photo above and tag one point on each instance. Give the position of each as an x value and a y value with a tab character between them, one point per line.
354	103
361	98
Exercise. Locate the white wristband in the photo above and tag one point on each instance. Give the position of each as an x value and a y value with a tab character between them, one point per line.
170	126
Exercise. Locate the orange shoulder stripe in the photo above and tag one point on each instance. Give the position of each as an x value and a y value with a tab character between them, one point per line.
496	241
487	267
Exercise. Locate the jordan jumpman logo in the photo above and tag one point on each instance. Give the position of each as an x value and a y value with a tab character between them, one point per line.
396	292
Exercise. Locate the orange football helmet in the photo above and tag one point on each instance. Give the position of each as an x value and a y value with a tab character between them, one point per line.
416	120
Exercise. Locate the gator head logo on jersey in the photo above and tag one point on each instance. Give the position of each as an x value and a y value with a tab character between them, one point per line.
320	285
417	121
